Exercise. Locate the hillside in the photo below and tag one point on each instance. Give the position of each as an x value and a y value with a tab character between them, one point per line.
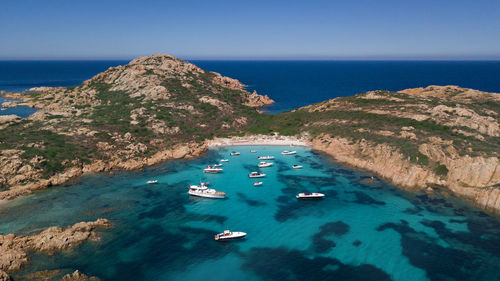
153	109
159	107
434	137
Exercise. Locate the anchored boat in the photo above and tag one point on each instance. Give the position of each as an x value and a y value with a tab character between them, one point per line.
212	170
265	164
297	166
228	235
257	183
224	160
203	191
268	157
234	153
152	182
256	175
286	152
310	195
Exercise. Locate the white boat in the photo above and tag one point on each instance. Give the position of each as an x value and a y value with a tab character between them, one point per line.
268	157
286	152
152	182
265	164
297	166
256	175
310	195
228	235
234	153
224	160
217	165
253	151
203	191
212	170
257	183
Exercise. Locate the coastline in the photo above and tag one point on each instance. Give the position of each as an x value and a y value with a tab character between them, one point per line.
250	140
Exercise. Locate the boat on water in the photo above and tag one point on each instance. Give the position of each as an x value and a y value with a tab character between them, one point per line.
310	195
257	183
203	191
256	175
297	166
224	160
152	182
228	235
234	153
268	157
217	165
253	151
286	152
212	170
264	164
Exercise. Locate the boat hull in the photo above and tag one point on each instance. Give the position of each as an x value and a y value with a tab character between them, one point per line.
211	196
233	236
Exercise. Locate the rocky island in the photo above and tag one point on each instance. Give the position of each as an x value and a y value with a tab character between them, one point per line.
439	139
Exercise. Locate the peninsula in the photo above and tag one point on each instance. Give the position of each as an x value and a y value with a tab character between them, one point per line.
159	107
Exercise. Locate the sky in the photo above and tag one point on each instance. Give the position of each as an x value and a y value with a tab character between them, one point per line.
251	29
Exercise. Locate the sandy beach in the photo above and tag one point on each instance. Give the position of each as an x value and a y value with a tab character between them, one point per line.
258	140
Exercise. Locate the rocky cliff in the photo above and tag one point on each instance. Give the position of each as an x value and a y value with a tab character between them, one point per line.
153	109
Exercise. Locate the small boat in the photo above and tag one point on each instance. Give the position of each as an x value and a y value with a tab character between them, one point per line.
217	165
268	157
286	152
297	166
256	175
203	191
212	170
228	235
253	151
310	195
265	164
234	153
224	160
257	183
152	182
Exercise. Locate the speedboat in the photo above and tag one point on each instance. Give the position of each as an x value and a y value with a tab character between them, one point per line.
286	152
256	175
217	165
203	191
234	153
265	164
228	235
212	170
253	151
152	182
268	157
297	166
224	160
310	195
257	183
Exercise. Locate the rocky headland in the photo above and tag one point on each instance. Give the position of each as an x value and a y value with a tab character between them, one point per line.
14	249
159	107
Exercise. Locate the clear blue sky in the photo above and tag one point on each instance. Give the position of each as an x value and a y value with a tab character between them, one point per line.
433	29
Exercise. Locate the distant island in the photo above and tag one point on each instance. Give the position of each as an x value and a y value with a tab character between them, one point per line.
159	107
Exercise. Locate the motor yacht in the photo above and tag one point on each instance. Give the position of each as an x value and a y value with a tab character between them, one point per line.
152	182
224	160
286	152
297	166
268	157
217	165
234	153
253	151
212	170
256	175
228	235
265	164
310	195
257	183
203	191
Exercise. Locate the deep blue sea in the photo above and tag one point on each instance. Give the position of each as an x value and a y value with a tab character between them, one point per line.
362	230
291	83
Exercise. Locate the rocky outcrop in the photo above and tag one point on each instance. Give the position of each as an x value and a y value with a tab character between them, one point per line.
256	100
4	276
78	276
472	178
15	249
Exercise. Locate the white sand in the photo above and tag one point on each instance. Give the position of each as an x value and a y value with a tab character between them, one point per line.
258	140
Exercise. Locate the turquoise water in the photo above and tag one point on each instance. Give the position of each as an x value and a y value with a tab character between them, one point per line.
362	230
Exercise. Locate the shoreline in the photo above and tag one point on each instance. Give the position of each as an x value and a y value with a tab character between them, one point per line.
256	140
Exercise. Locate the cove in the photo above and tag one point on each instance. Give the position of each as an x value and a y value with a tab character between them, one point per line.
362	230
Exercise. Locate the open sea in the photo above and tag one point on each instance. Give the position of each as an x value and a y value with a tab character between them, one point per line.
364	229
